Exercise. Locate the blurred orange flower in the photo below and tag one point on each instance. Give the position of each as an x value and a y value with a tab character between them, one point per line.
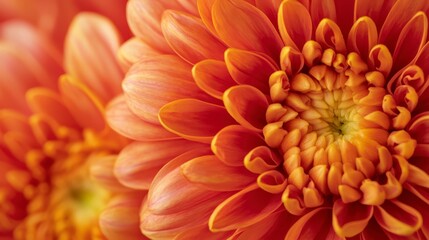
277	119
56	151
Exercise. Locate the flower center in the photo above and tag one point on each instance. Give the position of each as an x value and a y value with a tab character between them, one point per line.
63	200
332	122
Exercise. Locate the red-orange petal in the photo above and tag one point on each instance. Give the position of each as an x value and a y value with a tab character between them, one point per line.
376	10
295	24
247	105
213	174
189	38
411	39
329	35
229	147
397	19
398	218
118	113
194	119
363	36
313	225
350	219
243	209
320	9
241	25
250	68
212	77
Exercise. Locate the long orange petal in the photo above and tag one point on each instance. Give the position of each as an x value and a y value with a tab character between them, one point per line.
194	119
189	38
230	17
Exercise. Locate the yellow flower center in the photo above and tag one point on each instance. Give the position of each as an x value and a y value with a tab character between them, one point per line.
64	202
337	129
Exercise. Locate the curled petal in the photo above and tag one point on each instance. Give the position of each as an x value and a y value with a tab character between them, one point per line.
272	181
330	36
247	105
243	209
398	218
261	159
229	147
418	128
230	17
350	219
380	59
250	68
363	36
212	77
295	24
194	119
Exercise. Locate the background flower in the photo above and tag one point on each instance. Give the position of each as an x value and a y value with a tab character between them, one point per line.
56	151
276	119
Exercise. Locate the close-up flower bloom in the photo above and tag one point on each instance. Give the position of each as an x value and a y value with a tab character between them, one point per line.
276	119
56	150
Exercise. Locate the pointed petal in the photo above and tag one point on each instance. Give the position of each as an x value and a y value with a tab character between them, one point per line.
229	147
397	19
139	162
350	219
189	38
250	68
213	174
243	209
398	218
363	36
247	105
295	24
411	39
212	77
88	111
194	119
376	10
152	83
321	9
49	104
135	128
313	225
329	35
241	25
90	55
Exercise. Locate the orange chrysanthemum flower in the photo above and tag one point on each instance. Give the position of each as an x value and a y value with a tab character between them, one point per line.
56	151
277	119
